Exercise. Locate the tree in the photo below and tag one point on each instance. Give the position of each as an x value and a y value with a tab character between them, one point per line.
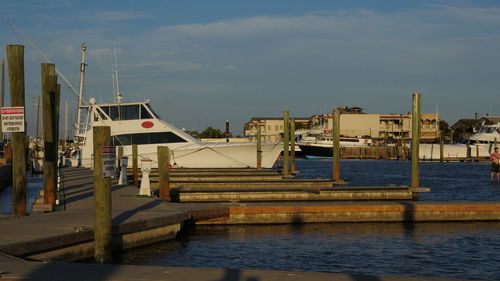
211	133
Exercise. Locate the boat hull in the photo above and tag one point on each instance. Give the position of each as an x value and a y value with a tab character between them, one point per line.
210	155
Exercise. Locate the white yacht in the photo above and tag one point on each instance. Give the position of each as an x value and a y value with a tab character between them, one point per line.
479	144
137	123
320	145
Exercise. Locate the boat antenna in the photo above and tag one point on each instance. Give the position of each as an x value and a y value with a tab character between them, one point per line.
118	96
41	54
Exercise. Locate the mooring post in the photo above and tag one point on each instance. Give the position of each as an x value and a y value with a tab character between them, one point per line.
336	144
292	146
49	88
259	147
57	114
102	196
15	60
120	155
164	172
135	166
441	149
2	91
286	142
415	139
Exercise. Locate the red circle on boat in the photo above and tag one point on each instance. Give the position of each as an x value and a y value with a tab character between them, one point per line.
147	124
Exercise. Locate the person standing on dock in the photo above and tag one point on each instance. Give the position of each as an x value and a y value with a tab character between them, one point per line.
495	164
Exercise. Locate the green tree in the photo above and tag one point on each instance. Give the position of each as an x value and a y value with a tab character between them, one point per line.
211	132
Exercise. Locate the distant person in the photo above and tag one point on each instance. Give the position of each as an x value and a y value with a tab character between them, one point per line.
495	164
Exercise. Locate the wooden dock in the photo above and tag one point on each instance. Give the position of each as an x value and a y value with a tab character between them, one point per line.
137	221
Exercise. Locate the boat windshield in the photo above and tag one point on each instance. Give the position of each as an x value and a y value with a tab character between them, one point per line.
127	112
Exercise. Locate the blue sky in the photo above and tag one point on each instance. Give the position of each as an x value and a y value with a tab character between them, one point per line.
204	62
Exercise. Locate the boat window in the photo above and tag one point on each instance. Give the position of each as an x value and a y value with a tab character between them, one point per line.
113	113
122	140
145	113
147	138
105	109
129	112
151	110
140	139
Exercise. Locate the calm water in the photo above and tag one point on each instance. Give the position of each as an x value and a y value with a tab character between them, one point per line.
454	250
33	186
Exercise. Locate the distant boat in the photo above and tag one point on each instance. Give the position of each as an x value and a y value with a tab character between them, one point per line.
321	146
479	144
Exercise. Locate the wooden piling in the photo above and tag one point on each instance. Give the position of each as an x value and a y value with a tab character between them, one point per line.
49	88
164	172
2	91
292	147
415	139
57	115
336	144
102	196
259	147
286	147
15	60
135	166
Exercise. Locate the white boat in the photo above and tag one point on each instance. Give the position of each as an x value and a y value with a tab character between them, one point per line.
478	145
137	123
321	146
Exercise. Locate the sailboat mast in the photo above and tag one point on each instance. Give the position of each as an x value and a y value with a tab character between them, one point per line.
37	112
80	93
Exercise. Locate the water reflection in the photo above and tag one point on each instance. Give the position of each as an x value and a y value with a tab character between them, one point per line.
455	250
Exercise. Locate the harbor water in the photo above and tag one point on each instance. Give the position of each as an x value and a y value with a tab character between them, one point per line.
34	183
456	250
468	250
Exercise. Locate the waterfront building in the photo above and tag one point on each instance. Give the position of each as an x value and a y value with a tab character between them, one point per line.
271	127
354	122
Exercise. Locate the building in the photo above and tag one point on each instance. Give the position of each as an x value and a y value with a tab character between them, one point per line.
379	126
271	127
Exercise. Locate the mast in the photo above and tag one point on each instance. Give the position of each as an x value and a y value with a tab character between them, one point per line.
66	120
37	112
80	93
118	96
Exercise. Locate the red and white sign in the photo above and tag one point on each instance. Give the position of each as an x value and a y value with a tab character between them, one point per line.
108	154
13	119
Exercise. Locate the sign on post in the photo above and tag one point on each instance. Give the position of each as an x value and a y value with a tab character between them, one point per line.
13	119
108	161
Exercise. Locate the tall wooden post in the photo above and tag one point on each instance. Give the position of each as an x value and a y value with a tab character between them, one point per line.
102	196
57	114
336	144
164	172
286	146
15	59
135	165
2	91
292	146
415	139
259	147
49	88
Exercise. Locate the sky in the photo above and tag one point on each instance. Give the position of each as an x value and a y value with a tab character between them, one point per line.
203	62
